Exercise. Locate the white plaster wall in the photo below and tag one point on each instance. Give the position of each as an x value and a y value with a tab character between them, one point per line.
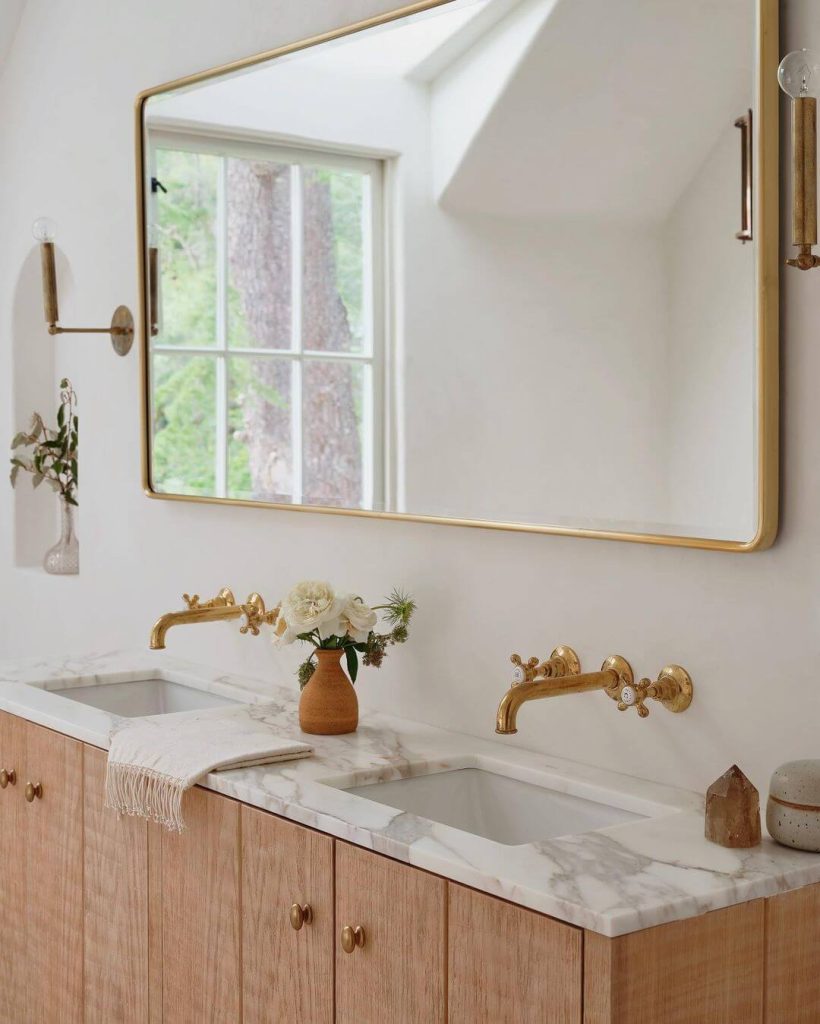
746	626
708	419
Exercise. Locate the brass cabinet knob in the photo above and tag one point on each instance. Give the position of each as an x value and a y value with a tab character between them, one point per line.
352	937
300	915
8	777
34	790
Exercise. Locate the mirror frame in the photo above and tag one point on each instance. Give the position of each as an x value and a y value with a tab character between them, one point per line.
766	218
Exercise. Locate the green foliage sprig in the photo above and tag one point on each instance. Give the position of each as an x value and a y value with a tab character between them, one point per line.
398	609
50	455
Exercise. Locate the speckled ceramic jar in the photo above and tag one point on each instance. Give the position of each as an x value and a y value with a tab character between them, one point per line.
793	809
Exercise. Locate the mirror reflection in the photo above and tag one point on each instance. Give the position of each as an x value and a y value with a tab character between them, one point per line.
467	265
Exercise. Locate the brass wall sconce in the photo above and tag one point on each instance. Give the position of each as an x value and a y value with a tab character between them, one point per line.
121	329
799	78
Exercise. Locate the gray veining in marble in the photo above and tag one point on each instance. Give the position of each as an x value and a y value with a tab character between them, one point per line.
613	881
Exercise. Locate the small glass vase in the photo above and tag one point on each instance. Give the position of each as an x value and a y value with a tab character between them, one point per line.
64	558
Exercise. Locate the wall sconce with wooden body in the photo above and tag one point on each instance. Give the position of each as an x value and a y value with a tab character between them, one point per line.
121	329
799	78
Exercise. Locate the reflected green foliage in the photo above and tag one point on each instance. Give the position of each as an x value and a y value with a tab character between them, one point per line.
184	386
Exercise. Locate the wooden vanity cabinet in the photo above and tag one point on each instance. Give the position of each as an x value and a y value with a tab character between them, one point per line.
287	967
116	906
508	965
399	974
13	880
41	906
107	919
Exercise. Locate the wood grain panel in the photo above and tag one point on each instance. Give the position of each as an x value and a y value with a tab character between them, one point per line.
116	906
201	950
400	975
705	970
508	965
13	880
793	957
52	828
287	974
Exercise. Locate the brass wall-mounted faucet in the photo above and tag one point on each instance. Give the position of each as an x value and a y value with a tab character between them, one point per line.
561	673
221	608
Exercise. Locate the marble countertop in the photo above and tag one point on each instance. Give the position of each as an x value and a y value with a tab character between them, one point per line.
613	881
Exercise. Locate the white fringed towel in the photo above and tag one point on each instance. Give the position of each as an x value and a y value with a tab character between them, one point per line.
153	763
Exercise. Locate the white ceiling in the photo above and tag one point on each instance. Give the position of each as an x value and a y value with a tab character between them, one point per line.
609	112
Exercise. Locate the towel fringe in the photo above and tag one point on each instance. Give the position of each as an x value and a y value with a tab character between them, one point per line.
145	793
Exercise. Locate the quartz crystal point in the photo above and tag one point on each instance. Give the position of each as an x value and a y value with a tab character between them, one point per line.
733	810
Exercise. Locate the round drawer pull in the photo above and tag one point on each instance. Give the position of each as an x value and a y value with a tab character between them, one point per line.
34	791
352	937
300	915
8	777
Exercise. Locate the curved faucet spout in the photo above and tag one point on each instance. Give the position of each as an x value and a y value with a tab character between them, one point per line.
519	693
220	608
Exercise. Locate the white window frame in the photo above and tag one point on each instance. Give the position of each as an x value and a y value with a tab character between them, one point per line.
372	358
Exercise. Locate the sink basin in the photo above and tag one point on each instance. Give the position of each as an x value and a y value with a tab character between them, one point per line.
495	806
144	697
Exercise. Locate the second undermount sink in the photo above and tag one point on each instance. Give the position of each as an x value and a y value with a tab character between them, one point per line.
143	697
496	806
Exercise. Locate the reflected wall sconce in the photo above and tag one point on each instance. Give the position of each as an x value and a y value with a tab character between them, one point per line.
799	78
121	329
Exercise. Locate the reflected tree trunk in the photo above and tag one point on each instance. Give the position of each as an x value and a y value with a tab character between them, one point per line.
260	272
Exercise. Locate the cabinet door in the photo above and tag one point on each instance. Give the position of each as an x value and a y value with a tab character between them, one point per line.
13	879
793	957
200	933
399	974
704	970
508	965
51	834
287	973
116	906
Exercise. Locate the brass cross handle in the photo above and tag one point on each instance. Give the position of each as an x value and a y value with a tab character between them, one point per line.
673	689
256	615
299	915
8	777
34	791
223	599
352	937
562	662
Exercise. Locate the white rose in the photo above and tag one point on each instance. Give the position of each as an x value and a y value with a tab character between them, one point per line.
358	619
311	605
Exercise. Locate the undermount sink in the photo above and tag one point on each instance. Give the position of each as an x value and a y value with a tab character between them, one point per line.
493	805
144	697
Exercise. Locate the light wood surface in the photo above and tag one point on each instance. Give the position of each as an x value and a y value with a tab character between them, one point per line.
116	906
705	970
793	957
399	977
154	923
508	965
51	841
13	880
287	974
201	953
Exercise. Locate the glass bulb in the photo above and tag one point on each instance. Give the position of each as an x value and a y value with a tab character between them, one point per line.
44	229
799	74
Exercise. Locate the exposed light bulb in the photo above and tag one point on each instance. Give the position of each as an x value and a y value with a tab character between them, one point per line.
44	229
799	74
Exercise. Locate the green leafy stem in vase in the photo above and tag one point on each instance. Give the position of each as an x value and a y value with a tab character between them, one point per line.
50	455
315	614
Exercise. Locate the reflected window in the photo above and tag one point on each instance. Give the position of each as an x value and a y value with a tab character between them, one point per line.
271	318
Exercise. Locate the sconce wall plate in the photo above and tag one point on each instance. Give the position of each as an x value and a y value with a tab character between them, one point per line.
799	77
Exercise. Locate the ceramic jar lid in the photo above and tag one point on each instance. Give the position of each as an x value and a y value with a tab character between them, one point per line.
797	782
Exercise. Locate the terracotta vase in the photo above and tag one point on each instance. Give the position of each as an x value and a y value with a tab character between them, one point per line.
328	705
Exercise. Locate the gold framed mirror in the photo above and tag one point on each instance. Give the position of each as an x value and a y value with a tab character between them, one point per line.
468	263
